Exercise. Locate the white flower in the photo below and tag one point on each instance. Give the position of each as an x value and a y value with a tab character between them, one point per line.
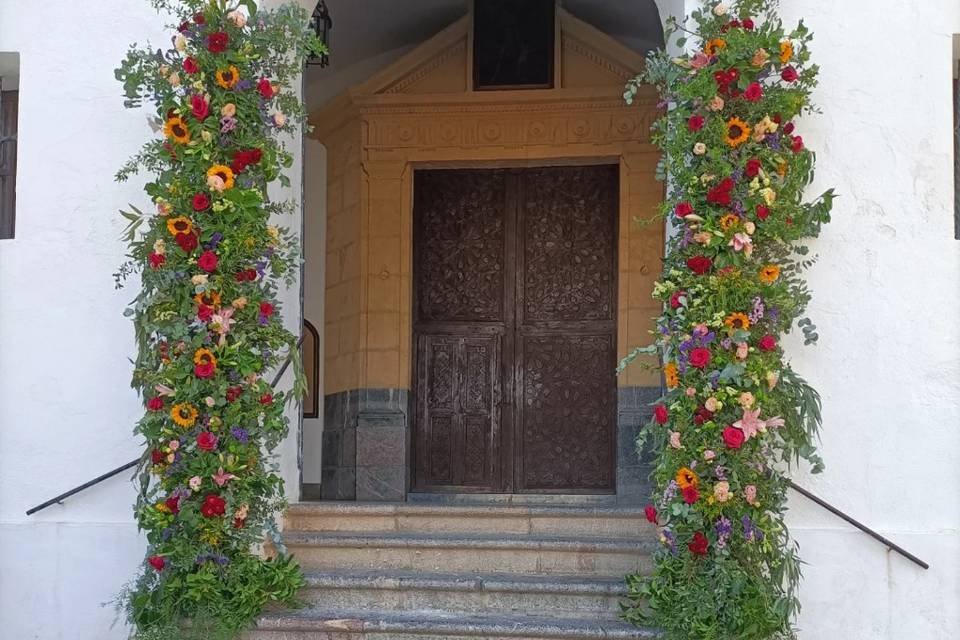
199	279
279	119
174	79
721	9
239	18
160	247
699	149
180	44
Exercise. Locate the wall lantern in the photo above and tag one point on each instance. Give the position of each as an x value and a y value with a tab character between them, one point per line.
321	24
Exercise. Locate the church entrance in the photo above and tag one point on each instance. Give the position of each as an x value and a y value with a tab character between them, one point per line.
514	330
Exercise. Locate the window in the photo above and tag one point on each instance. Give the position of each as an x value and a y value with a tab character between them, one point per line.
956	136
9	103
513	44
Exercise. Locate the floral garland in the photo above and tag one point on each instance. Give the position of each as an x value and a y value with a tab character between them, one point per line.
734	415
207	319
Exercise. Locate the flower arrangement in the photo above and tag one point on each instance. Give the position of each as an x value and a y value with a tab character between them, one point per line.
206	317
734	415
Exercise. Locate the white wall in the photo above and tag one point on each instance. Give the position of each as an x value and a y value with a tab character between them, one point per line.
314	287
887	304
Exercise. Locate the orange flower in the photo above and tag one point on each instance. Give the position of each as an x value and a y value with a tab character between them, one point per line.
714	46
176	129
204	356
738	132
228	78
687	478
728	221
670	373
769	274
736	321
179	225
786	51
208	298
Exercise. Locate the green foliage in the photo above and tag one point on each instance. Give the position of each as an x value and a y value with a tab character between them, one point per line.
735	416
206	316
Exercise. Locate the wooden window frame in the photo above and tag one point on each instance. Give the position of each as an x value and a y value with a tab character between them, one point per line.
8	169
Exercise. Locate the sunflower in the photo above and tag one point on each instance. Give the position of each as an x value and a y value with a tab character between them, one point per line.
228	78
184	414
738	132
786	51
223	172
176	129
769	274
179	225
736	321
714	46
687	478
208	298
671	376
728	221
204	356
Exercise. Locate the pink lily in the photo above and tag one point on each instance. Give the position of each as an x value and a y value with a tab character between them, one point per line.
164	390
221	478
750	424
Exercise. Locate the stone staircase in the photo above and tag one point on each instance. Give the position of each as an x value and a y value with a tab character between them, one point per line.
426	571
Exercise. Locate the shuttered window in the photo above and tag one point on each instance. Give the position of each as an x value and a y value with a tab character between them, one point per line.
8	162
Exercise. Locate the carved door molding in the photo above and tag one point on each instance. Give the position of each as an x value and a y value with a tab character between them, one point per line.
515	330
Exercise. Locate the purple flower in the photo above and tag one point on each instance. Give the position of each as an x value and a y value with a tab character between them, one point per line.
215	239
723	528
240	434
721	472
227	125
748	533
671	540
773	141
757	314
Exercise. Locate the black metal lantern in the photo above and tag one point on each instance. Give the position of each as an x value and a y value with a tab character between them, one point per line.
321	24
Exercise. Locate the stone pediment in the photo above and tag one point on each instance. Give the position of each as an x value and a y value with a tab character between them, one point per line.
441	65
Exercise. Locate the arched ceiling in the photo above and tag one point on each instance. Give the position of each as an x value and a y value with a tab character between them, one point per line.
364	30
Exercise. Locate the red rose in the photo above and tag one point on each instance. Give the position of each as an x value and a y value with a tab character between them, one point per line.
690	494
204	370
157	456
207	441
733	437
700	357
266	398
266	309
695	123
213	506
675	299
762	212
157	260
702	414
699	545
207	261
683	209
217	42
184	27
777	118
789	74
157	562
797	144
204	313
660	414
199	19
201	202
247	275
699	264
747	24
233	393
720	194
190	66
186	241
753	167
788	128
754	92
265	88
155	403
173	503
651	514
244	158
768	343
239	523
200	107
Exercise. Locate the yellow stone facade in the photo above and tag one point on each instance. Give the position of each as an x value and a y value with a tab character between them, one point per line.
420	113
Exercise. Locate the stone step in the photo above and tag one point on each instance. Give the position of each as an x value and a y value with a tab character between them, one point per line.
311	624
461	552
594	520
554	596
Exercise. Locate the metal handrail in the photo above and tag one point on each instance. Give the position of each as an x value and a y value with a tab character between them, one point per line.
133	463
859	525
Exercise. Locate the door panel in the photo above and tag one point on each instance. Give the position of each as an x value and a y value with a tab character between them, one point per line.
515	329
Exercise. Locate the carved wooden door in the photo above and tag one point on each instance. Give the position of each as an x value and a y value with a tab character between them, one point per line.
514	330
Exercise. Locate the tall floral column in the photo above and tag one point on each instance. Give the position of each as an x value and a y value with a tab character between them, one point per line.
735	415
207	320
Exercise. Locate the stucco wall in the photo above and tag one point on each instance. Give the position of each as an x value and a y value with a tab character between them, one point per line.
887	303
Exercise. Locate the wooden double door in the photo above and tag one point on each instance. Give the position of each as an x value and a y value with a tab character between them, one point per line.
515	330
